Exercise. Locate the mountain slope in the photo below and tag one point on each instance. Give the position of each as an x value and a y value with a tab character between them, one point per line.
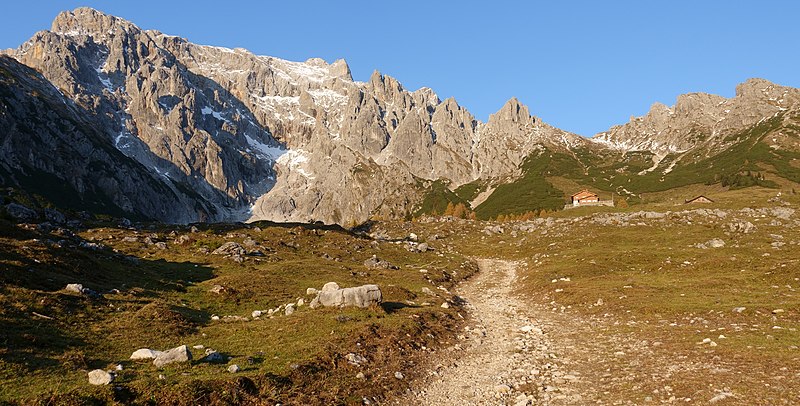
263	138
253	137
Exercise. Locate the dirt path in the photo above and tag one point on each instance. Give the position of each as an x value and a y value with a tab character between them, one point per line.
504	357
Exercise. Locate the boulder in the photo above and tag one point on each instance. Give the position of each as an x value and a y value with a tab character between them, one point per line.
177	354
145	353
360	296
20	212
100	377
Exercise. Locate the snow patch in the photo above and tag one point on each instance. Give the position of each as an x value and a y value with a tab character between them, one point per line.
209	111
295	161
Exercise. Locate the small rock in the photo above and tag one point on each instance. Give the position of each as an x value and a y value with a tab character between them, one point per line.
399	375
255	313
145	353
289	309
218	289
100	377
311	291
233	369
502	388
300	302
213	356
360	375
739	309
778	311
445	305
74	287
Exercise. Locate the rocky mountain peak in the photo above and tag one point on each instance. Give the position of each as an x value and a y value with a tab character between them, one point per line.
340	69
88	21
512	111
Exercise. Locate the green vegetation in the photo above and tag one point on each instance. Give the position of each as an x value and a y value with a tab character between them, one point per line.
531	192
436	199
163	299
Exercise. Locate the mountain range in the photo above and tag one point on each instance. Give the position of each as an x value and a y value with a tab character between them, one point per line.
100	115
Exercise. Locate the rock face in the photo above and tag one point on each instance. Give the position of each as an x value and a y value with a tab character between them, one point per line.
48	145
701	122
177	354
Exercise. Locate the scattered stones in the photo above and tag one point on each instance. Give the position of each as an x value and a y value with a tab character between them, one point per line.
355	359
230	248
177	354
715	243
375	263
100	377
744	227
145	353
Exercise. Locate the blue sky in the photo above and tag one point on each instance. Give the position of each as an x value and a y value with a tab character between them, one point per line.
582	65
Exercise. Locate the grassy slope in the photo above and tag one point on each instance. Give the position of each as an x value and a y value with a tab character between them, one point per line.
650	276
164	301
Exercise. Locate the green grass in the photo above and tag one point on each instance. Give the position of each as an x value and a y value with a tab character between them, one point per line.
164	301
529	193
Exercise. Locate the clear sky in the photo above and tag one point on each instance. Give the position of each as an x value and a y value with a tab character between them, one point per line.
579	65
